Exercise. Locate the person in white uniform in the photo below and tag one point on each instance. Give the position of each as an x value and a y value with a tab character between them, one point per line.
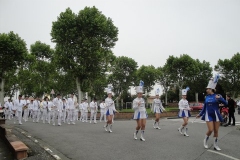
184	112
25	114
35	109
76	110
157	109
18	106
140	114
94	109
71	109
85	111
81	110
64	113
103	111
58	104
45	109
8	109
110	109
51	111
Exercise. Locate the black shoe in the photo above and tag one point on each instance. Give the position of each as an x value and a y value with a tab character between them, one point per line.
233	125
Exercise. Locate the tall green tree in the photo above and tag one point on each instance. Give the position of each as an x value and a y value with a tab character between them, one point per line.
123	75
12	51
182	69
163	78
229	70
199	81
83	44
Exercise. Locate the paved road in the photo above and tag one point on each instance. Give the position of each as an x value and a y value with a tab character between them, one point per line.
90	141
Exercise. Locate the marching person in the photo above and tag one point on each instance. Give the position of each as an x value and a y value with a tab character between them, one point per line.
103	111
85	111
76	110
8	109
45	109
140	114
39	112
81	110
110	109
64	113
58	107
26	109
94	108
71	109
35	110
210	112
184	112
157	109
18	107
31	105
51	111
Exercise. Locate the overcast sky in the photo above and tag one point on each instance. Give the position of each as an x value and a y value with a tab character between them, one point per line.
149	30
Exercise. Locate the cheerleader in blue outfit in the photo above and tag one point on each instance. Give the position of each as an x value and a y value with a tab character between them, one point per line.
140	114
211	114
184	112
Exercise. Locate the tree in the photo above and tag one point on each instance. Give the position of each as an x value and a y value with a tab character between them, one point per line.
163	77
83	44
12	51
229	70
199	81
181	69
123	74
148	75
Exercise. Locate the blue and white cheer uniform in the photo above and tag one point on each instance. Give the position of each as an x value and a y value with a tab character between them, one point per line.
139	110
210	111
157	106
110	106
184	109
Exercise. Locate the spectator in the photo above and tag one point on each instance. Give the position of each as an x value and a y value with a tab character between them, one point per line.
231	106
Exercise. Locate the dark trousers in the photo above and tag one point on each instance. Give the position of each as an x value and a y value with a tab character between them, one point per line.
231	116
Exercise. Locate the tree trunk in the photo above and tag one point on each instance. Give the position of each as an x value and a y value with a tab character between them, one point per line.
196	97
2	91
180	94
166	98
79	90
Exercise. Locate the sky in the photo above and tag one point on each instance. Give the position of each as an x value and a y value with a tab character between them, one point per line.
149	30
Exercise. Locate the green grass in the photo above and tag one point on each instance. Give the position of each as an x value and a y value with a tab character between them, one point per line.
148	110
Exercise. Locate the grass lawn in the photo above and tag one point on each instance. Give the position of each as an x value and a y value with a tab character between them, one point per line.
148	110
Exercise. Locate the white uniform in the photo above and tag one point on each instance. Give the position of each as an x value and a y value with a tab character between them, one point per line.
94	108
64	113
8	108
36	109
45	110
85	111
81	111
157	106
57	102
139	110
103	111
18	106
184	109
25	114
71	109
76	110
51	111
110	106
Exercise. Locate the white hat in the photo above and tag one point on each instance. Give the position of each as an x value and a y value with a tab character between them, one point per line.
109	89
139	89
157	92
184	91
213	82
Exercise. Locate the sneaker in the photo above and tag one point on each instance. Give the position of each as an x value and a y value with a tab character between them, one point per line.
205	145
110	131
185	134
217	148
53	124
134	136
154	126
73	123
158	127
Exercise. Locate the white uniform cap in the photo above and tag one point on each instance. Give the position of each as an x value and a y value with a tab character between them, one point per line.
213	82
157	92
184	91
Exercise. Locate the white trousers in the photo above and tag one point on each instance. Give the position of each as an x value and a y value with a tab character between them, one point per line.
64	116
71	116
44	114
18	117
93	116
103	115
25	115
85	116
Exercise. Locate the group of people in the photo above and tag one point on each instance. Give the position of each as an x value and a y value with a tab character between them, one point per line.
67	111
64	110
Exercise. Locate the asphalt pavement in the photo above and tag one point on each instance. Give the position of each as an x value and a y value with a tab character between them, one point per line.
90	141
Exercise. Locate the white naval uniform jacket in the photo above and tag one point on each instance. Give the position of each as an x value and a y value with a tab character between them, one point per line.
93	106
85	107
18	105
58	104
70	103
103	107
183	104
157	106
